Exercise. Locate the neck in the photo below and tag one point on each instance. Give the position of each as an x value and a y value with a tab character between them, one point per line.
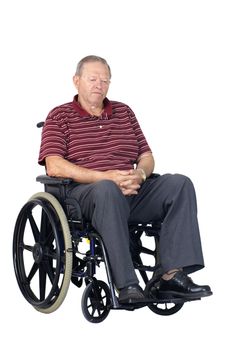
94	109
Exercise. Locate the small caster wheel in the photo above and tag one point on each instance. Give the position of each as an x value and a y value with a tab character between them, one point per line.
96	301
163	307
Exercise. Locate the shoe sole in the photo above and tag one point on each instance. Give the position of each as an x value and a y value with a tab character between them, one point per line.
131	301
186	296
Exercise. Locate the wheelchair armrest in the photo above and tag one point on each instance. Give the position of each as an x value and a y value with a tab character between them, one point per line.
49	180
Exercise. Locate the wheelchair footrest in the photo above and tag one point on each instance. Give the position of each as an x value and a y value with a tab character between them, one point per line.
150	301
172	300
147	301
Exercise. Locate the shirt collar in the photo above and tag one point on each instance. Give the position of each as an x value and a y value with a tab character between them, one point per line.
83	113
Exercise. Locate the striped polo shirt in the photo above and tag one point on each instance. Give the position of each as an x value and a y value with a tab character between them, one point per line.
112	141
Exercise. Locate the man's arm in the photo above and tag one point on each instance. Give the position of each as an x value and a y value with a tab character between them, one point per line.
146	163
60	167
129	181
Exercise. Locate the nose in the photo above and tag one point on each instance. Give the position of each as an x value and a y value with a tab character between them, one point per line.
98	84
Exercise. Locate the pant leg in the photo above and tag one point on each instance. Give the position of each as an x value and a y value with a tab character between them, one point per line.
172	199
104	205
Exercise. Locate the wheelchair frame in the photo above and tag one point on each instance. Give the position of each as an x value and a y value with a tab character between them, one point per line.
46	253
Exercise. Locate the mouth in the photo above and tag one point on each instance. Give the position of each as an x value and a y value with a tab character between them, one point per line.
97	93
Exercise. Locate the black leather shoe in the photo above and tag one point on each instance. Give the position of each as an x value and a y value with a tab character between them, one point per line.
131	294
181	285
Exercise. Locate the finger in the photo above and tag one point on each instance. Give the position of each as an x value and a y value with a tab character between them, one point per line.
130	185
129	192
124	172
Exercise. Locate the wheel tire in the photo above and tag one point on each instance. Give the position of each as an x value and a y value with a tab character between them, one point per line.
96	301
49	241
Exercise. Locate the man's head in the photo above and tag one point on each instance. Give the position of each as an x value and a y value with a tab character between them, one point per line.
92	79
91	58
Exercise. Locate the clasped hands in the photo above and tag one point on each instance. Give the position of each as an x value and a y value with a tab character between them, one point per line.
129	181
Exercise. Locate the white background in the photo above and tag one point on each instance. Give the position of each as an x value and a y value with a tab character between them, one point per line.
172	63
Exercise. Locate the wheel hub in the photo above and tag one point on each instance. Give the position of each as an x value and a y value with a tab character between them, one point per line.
37	253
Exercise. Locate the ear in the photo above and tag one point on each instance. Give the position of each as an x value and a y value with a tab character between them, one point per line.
76	81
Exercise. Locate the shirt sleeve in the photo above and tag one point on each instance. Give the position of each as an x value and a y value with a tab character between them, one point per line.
142	142
53	139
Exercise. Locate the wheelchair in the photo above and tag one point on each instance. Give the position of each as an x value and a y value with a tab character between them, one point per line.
54	245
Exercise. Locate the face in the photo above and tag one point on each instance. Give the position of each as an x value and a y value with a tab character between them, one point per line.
93	83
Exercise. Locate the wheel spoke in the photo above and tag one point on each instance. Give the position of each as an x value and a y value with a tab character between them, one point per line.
90	305
147	251
51	254
49	269
35	230
32	272
49	237
42	282
27	247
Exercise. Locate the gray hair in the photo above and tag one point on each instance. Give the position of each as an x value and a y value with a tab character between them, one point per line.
91	58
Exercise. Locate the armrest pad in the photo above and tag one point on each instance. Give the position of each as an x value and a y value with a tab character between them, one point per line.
49	180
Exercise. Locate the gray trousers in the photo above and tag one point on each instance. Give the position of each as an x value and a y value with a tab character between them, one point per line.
167	198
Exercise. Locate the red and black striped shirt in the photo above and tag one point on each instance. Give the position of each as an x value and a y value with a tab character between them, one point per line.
112	141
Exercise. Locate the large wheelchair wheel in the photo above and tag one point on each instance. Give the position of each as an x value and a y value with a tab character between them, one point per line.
96	301
163	307
42	252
